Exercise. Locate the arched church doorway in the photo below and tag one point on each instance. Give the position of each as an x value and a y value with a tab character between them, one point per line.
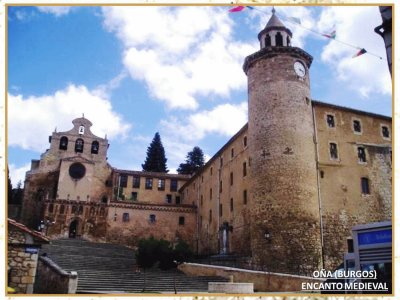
73	227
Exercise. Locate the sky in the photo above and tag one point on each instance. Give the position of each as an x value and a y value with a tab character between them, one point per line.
137	70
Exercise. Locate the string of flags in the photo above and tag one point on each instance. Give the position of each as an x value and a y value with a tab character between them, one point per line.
297	22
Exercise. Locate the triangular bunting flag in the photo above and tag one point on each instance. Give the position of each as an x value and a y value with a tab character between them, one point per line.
294	20
237	8
359	53
331	35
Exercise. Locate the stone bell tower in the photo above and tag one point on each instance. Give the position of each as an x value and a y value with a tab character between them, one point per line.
284	195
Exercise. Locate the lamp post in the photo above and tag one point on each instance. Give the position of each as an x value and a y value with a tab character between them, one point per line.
44	225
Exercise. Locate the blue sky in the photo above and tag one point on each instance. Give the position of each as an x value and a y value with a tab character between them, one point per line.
134	71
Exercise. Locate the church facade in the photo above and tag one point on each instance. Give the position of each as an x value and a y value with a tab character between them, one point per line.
284	191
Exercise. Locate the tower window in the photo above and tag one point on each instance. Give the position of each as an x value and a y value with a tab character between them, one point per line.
245	197
174	185
385	132
210	216
81	129
244	169
333	150
330	120
181	220
364	185
95	147
220	186
220	210
231	204
152	219
361	155
245	141
79	145
232	153
279	39
231	178
63	143
201	200
210	194
356	126
125	217
267	40
149	184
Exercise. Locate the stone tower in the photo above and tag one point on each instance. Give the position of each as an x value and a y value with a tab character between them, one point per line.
284	195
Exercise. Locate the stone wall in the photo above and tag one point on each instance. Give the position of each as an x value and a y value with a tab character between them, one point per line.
263	281
51	279
21	265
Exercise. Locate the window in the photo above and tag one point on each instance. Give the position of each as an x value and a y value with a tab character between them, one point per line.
245	141
364	185
123	180
321	174
210	216
177	200
63	143
51	208
232	153
174	185
152	219
136	182
220	210
356	125
81	129
231	204
80	210
221	161
267	40
134	196
95	147
245	197
244	169
125	217
385	132
149	184
73	209
201	200
211	171
231	178
333	150
279	39
161	184
104	199
79	145
330	120
168	198
202	178
210	194
181	220
92	211
62	209
361	155
220	186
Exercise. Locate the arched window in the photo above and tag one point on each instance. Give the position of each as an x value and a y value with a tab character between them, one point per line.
64	143
74	209
267	40
79	145
288	41
51	207
62	209
95	147
279	39
80	210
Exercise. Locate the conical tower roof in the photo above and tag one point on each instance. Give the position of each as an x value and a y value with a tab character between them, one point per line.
274	23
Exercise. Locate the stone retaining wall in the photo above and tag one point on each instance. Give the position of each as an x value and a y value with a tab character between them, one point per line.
51	279
263	281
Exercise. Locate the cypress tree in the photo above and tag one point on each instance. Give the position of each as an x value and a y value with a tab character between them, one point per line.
194	161
155	160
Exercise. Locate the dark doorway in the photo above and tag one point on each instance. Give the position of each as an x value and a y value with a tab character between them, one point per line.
73	228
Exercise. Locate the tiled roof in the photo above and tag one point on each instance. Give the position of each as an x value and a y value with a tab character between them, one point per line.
34	233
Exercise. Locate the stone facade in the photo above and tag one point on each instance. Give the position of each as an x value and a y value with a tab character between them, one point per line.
23	245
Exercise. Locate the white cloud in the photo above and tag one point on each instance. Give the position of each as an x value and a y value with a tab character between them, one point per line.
17	174
58	11
32	119
355	26
224	119
180	52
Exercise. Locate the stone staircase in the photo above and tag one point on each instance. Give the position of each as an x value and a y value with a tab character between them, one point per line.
111	269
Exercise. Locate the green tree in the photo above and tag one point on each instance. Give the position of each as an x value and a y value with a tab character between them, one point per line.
194	161
9	188
155	160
